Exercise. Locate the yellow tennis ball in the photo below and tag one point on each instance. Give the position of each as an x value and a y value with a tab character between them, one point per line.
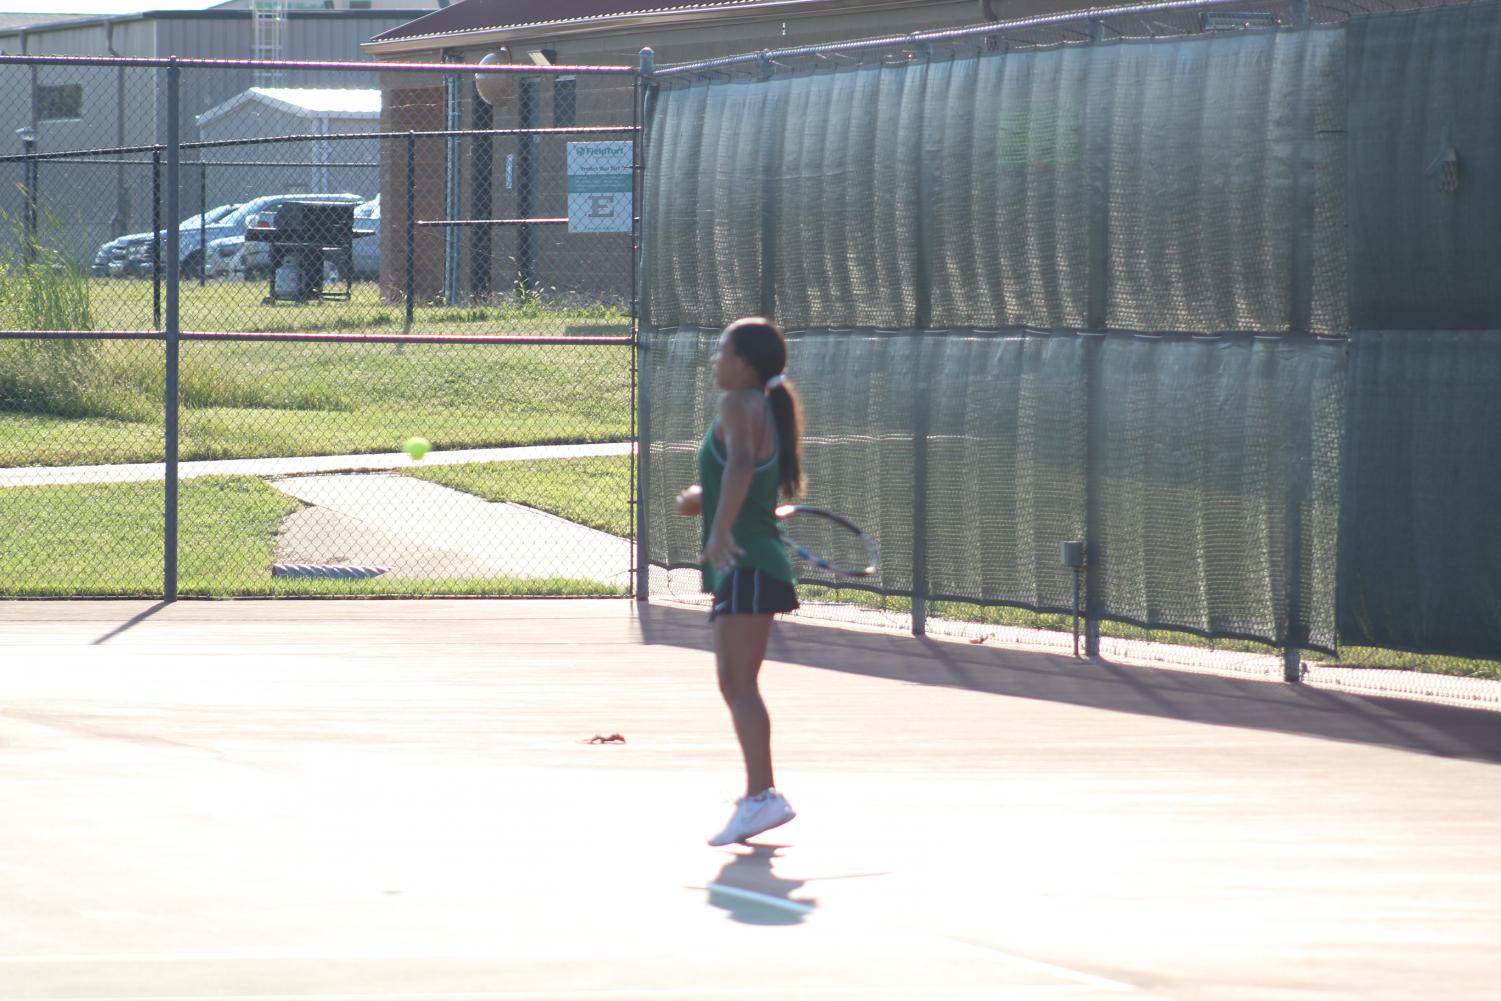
417	447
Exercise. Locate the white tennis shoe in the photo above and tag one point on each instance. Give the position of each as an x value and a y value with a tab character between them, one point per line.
753	815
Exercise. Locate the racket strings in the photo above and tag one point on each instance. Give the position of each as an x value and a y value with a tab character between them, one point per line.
830	545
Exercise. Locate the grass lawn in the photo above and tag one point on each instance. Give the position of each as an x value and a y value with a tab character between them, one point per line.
594	492
68	403
106	539
234	304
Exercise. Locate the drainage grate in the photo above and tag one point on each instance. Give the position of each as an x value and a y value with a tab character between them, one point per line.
341	571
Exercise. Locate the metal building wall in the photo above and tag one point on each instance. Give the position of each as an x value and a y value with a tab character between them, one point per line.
310	36
128	106
118	109
288	166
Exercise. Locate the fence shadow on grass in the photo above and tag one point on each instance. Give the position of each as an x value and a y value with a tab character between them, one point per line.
1424	728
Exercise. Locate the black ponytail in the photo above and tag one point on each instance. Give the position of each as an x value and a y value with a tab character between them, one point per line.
762	343
787	410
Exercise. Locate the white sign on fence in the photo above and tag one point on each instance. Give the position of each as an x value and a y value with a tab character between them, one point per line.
599	187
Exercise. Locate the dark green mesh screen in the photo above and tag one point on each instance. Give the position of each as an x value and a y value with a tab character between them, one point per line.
1005	465
960	193
1425	162
1216	473
1224	181
1420	545
1215	479
941	233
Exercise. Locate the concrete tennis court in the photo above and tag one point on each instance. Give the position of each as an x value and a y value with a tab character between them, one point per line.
382	800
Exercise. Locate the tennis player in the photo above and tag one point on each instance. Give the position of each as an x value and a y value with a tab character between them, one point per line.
750	453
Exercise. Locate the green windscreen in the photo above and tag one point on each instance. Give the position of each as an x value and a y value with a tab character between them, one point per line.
1420	541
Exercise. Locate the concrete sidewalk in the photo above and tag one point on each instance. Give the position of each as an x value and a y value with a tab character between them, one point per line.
423	531
147	472
383	800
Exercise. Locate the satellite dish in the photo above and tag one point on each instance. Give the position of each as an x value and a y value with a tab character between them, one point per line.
495	89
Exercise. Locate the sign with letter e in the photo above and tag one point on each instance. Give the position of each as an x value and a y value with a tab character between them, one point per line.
599	187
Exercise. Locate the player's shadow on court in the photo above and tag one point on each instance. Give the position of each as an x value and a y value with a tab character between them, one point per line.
754	895
1406	724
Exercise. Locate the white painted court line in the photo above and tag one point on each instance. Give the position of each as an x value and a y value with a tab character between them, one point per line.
148	472
1082	980
694	993
1088	980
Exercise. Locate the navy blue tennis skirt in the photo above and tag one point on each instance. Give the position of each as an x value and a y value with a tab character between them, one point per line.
748	591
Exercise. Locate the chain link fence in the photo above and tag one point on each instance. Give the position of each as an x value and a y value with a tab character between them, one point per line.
1088	278
228	307
1077	318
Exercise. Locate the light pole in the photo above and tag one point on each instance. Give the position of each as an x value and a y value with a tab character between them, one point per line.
27	135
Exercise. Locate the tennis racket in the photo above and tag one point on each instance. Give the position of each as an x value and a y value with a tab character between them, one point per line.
828	541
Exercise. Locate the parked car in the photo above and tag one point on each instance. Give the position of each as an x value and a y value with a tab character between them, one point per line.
132	258
105	254
367	248
191	237
223	258
261	214
130	255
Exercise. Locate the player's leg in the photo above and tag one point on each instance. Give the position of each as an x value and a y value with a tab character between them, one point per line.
739	647
740	639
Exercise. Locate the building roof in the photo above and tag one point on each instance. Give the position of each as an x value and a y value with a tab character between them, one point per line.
45	22
479	15
12	22
305	102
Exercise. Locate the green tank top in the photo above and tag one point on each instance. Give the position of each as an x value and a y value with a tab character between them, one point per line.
755	528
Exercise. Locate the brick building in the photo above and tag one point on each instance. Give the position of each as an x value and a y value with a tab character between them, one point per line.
500	179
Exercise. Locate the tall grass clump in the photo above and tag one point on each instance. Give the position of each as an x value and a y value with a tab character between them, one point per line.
42	289
120	380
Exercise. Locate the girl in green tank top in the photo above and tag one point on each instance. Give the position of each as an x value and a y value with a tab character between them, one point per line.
755	529
749	455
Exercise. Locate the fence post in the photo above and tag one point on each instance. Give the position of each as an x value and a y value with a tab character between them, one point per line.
1297	496
1094	478
481	199
640	383
1096	322
771	153
920	404
33	203
452	205
202	222
30	174
1300	326
120	224
922	320
156	227
527	117
169	570
411	235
